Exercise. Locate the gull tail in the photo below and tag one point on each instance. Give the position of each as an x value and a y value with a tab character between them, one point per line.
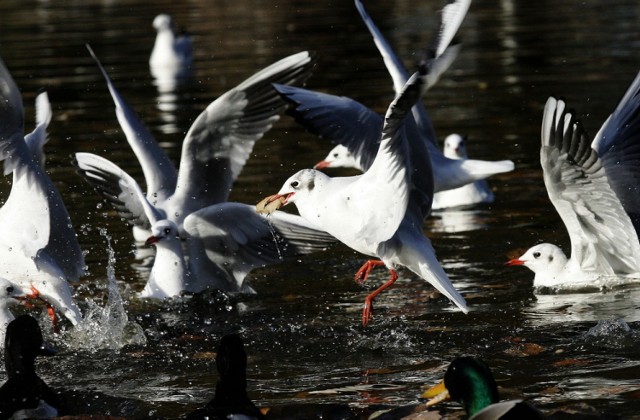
480	169
417	254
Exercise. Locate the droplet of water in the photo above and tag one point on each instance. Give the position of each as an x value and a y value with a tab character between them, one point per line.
106	327
275	238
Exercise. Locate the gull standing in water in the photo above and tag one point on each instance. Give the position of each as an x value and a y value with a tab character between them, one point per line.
172	56
39	250
380	212
595	188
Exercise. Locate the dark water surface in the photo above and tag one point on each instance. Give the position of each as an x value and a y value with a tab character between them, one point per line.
302	329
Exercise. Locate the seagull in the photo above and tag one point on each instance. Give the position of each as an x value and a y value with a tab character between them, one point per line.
171	54
380	212
224	241
39	249
25	394
353	126
469	194
594	186
10	295
215	148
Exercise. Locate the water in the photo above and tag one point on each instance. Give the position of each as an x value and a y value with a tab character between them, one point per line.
302	330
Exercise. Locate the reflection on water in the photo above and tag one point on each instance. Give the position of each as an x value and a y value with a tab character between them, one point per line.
458	220
619	303
302	328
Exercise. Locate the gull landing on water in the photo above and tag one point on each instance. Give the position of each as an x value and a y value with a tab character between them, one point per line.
373	212
220	250
595	188
39	250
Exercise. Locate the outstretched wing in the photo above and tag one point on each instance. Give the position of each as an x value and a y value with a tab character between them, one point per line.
618	145
602	236
221	139
34	218
384	189
119	189
159	172
338	119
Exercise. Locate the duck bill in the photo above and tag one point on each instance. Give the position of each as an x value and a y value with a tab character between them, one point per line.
514	262
322	164
436	394
151	240
273	202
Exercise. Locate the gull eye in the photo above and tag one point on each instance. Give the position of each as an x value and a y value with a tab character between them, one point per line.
10	289
335	155
536	255
167	231
295	184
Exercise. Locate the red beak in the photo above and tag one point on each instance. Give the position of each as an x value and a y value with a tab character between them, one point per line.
513	262
322	164
151	240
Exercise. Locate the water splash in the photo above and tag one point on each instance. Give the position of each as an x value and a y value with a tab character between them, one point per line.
274	234
612	334
106	327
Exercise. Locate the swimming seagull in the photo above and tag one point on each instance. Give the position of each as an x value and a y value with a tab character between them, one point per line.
595	188
214	149
224	241
355	129
469	194
39	250
172	56
380	212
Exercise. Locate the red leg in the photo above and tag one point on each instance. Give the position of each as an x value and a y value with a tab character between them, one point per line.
365	270
54	318
35	295
368	301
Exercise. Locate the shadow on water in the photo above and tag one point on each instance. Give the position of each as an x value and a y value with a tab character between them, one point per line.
302	330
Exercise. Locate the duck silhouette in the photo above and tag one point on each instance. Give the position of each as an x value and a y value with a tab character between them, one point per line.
25	394
230	400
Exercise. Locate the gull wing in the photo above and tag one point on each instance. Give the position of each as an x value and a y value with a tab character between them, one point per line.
618	146
119	189
221	139
338	119
39	136
602	236
381	194
34	203
258	241
159	172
